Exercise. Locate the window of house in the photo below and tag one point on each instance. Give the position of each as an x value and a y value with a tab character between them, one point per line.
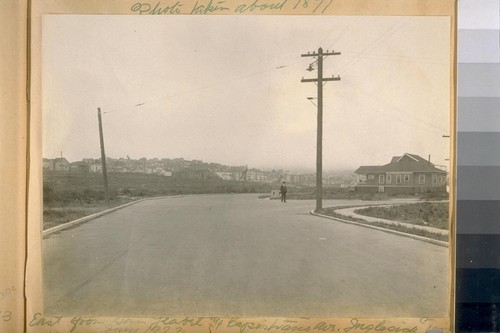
371	176
381	179
421	179
407	178
388	179
434	179
398	179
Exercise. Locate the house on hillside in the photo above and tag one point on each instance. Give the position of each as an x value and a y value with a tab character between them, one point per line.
56	164
61	164
256	176
407	174
192	174
79	167
95	167
225	175
48	165
162	172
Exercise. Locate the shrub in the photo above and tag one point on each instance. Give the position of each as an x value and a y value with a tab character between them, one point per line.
49	195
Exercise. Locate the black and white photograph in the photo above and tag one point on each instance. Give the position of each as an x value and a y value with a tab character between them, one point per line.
246	166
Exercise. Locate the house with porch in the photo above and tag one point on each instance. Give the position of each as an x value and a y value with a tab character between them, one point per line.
406	174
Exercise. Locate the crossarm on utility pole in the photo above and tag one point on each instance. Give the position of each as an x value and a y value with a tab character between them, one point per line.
324	79
314	54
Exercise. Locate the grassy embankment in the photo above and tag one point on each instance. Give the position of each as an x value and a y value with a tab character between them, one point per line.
431	214
67	196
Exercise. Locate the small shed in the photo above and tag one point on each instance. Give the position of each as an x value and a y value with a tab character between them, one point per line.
275	194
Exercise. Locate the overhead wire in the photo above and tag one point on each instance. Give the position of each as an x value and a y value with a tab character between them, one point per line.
397	58
364	53
391	30
366	92
144	102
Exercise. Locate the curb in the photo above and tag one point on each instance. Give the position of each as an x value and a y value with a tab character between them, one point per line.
87	218
389	222
104	212
399	233
107	211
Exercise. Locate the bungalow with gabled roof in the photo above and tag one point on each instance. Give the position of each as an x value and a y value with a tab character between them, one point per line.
406	174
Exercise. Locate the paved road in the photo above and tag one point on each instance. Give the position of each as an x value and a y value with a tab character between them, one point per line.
242	256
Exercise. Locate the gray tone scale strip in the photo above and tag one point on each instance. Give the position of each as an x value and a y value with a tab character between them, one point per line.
478	46
478	114
478	148
478	217
470	252
478	183
478	14
478	80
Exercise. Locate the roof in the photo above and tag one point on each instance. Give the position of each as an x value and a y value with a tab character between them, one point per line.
404	163
395	159
370	169
60	159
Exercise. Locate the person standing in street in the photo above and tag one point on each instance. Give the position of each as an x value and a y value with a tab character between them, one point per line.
283	191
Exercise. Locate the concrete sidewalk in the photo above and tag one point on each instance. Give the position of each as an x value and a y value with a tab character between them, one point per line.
350	212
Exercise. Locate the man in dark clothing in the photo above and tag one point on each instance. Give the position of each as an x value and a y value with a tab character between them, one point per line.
283	192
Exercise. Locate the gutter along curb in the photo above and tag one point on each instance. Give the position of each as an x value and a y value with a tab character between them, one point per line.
87	218
390	231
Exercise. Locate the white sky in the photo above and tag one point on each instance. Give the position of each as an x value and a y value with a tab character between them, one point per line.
212	89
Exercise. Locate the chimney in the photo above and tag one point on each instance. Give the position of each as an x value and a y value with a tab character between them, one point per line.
429	158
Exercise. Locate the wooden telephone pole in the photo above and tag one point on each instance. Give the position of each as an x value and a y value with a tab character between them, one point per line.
103	158
319	140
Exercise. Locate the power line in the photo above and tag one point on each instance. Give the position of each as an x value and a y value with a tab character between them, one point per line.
200	88
434	130
366	92
335	41
391	30
387	57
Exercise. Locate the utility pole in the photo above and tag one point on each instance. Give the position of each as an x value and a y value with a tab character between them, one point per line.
103	158
319	140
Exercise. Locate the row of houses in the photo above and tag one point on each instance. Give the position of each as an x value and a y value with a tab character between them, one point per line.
86	166
91	165
269	177
94	165
405	174
408	173
62	164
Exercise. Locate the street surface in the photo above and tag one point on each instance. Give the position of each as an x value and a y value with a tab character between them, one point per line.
237	255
